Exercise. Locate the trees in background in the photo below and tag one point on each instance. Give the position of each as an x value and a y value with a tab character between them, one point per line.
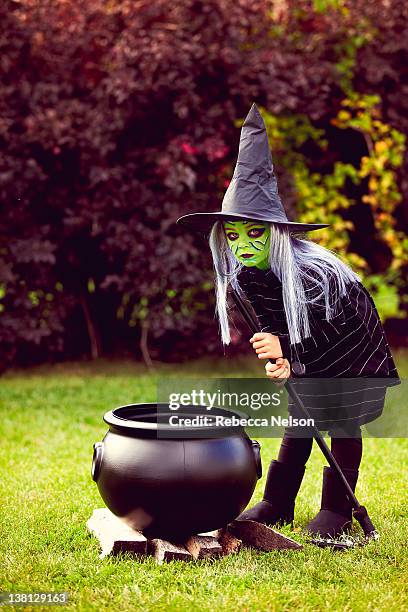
116	117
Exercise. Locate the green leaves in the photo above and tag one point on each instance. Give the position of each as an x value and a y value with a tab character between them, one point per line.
325	197
118	117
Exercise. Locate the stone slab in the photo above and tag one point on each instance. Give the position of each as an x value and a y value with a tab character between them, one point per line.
261	536
114	535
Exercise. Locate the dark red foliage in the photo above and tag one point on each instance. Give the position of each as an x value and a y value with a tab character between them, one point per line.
116	117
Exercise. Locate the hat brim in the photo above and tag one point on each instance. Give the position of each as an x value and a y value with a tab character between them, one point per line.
203	222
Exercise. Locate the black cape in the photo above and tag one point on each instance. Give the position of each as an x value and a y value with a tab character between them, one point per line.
343	369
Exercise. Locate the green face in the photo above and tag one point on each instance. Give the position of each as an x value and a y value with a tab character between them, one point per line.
249	241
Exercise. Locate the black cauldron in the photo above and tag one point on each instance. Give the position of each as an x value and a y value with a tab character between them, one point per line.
172	482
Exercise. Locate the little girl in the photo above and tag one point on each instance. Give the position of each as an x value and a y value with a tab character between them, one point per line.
319	325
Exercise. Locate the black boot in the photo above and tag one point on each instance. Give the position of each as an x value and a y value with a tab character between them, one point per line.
335	515
278	504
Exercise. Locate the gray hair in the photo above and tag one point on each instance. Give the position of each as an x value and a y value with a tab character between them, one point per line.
311	275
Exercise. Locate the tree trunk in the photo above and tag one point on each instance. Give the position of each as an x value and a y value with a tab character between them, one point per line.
94	340
143	344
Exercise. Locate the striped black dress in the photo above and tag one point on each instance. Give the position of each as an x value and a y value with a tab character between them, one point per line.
343	369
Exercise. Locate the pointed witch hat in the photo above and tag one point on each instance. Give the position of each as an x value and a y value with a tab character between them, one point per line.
253	190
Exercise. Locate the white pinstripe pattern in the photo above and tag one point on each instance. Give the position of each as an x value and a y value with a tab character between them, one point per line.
352	344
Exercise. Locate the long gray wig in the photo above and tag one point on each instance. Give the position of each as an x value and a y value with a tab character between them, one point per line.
310	275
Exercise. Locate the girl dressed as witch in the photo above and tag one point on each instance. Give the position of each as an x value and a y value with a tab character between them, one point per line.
319	325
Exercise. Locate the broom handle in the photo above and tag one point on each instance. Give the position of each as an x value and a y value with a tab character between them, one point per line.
321	442
359	512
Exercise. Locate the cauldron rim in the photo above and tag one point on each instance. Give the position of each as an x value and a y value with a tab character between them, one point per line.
136	426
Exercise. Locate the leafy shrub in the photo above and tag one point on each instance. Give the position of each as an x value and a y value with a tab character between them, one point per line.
117	117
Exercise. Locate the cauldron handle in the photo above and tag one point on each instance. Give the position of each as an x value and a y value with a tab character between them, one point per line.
256	449
96	460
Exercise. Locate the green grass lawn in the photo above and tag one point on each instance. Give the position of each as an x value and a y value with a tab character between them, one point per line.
50	418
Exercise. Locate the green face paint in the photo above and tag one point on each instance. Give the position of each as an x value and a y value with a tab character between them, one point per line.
249	241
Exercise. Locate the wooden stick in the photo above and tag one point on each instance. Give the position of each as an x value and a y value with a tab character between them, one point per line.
162	550
203	547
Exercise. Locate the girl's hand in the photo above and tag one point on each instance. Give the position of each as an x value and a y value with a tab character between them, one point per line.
279	370
267	346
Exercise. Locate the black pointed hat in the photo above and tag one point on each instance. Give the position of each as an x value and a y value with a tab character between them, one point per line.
253	190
